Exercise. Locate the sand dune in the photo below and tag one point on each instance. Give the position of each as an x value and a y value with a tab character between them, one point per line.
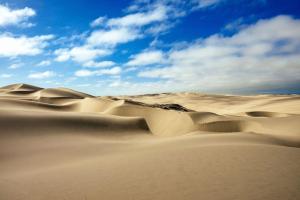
62	144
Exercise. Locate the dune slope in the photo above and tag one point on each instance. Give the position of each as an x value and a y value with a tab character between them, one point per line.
62	144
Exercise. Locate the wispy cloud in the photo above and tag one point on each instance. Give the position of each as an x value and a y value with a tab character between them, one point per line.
94	64
206	3
158	13
42	75
152	19
97	22
6	75
15	65
44	63
112	71
146	58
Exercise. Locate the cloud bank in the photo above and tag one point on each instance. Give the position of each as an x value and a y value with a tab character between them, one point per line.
259	53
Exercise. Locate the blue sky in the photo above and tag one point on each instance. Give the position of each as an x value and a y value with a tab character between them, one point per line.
147	46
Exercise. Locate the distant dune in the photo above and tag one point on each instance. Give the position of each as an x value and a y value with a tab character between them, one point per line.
62	144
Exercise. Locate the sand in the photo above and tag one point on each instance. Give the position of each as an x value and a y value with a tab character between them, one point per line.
63	144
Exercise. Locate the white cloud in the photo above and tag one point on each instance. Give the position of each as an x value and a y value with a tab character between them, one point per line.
6	75
112	71
62	55
160	29
12	46
115	83
129	27
115	31
159	13
112	37
97	22
99	64
80	54
41	75
146	58
14	17
267	52
44	63
84	72
84	55
15	65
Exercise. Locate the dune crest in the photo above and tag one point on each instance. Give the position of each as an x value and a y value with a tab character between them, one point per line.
57	143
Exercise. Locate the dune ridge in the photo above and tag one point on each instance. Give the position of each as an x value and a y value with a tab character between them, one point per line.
57	143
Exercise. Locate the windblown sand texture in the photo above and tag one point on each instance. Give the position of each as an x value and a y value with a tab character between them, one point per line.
63	144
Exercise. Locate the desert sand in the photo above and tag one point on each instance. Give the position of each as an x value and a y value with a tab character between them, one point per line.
63	144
